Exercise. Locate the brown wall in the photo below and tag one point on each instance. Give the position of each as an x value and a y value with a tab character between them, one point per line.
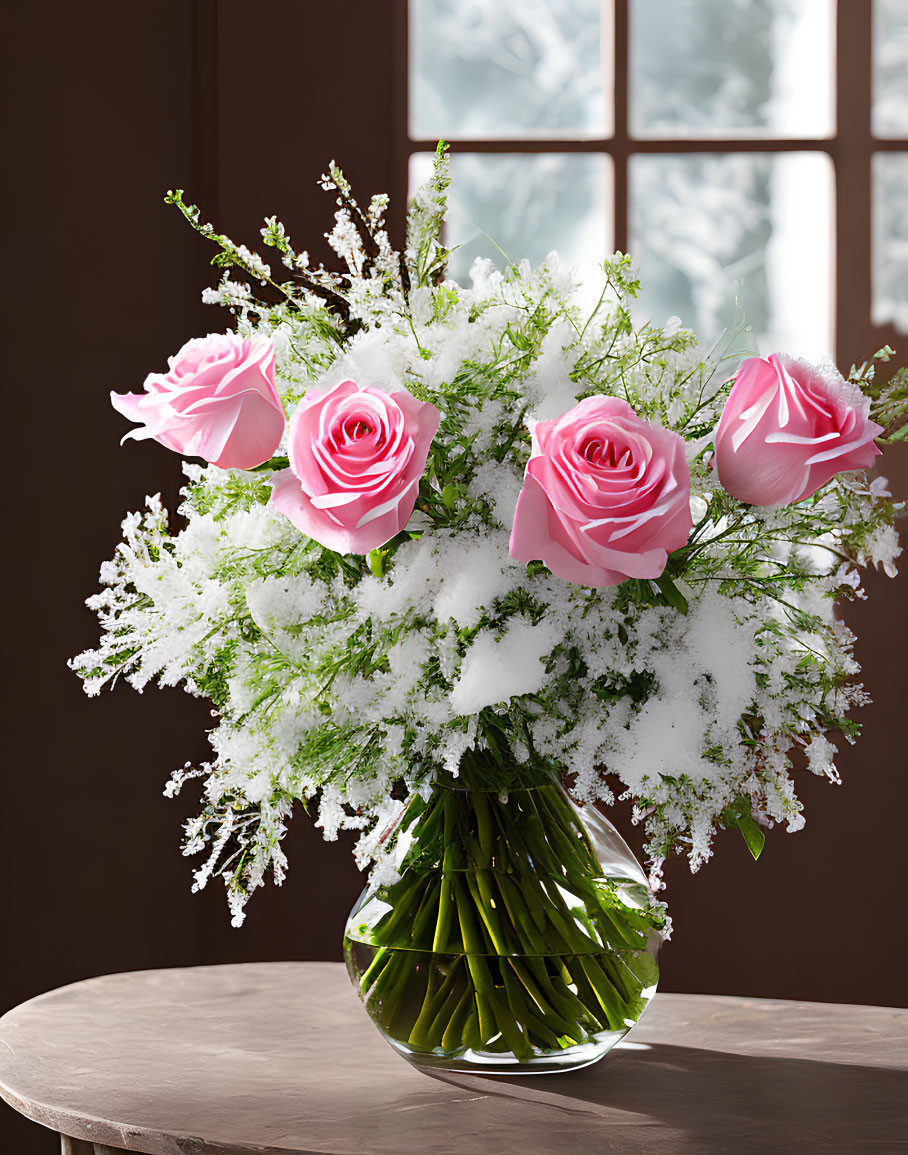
243	105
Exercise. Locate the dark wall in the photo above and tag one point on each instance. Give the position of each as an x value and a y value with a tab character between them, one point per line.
112	104
243	106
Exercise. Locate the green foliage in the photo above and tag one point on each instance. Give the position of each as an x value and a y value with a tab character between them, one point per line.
891	405
426	257
740	815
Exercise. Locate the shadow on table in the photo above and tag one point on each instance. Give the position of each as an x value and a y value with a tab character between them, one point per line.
719	1101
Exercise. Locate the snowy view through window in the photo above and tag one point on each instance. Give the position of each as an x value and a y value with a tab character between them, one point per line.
709	230
551	201
720	68
515	69
890	169
890	239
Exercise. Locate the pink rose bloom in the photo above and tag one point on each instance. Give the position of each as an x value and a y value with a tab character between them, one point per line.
605	497
356	458
787	428
218	402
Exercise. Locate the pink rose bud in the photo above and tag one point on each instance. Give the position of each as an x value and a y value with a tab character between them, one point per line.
357	455
605	497
787	428
218	402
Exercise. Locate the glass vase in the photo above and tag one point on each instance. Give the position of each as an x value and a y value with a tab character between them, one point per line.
519	936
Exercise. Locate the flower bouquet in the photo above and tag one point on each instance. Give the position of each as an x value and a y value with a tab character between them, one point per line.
454	549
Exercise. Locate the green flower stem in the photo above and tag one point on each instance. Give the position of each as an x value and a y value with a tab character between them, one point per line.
608	997
522	1012
471	1037
521	916
485	908
545	1003
442	1017
446	910
408	892
453	1034
559	995
501	934
427	915
427	1028
381	960
473	942
483	823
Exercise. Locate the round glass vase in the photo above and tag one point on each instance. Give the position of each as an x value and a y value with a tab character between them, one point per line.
520	935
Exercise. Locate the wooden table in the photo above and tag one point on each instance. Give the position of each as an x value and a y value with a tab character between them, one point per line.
280	1058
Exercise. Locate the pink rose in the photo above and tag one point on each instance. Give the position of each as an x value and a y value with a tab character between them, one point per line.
605	497
356	458
788	428
218	402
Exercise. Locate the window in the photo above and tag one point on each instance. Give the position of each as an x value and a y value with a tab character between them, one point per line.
726	144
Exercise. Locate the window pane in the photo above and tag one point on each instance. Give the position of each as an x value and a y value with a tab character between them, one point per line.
708	228
528	204
715	68
510	69
890	239
890	68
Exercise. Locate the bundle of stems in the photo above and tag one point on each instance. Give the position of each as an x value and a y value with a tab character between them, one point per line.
501	935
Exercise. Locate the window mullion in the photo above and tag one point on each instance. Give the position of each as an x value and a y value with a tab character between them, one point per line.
619	146
403	147
851	151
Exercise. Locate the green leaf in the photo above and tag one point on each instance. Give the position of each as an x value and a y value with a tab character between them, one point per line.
740	815
377	561
272	465
671	593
